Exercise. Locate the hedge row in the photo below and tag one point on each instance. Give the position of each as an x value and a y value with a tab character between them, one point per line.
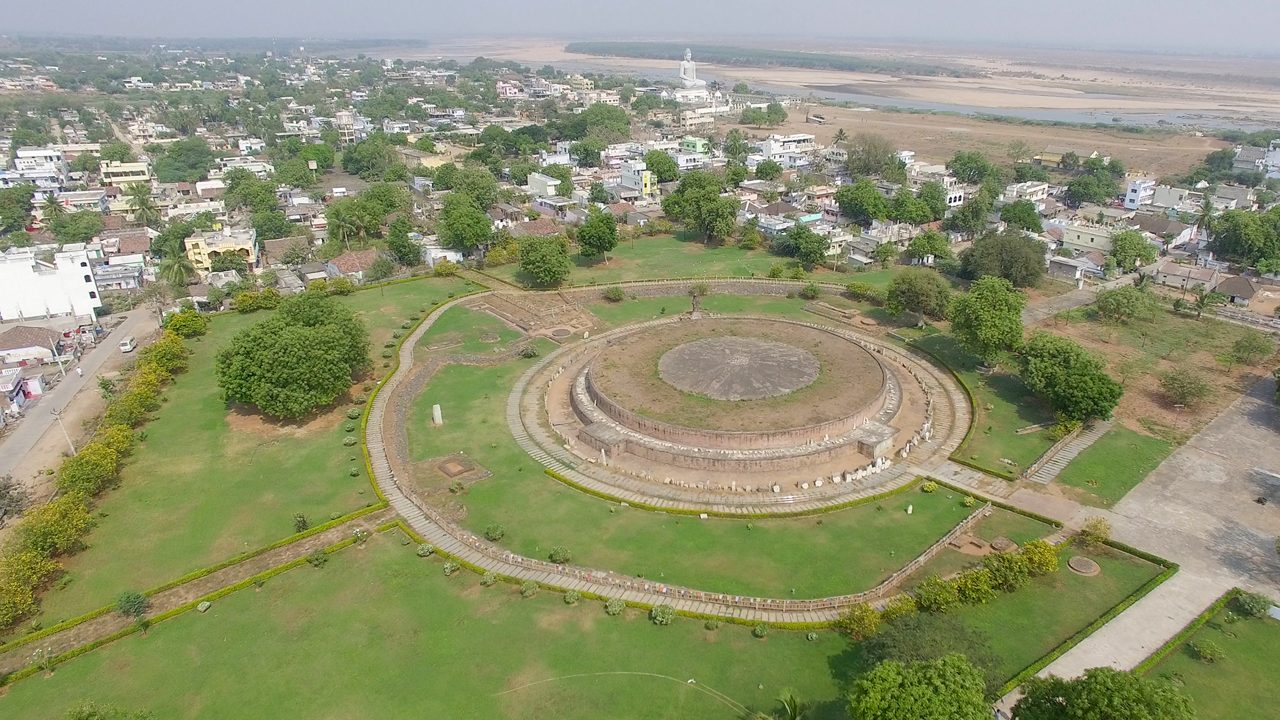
1011	508
742	516
56	529
1185	633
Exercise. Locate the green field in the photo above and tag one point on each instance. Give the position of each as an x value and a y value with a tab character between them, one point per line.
471	332
379	632
633	310
1003	405
1114	465
761	557
1240	685
206	485
678	256
1001	523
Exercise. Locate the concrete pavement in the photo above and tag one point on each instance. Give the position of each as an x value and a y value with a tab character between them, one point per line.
38	421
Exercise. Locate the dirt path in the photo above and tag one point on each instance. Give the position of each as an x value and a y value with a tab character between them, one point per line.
103	626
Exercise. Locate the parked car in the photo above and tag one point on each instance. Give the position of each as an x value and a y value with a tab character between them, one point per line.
128	344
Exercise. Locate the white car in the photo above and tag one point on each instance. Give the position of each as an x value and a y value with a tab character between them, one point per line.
128	344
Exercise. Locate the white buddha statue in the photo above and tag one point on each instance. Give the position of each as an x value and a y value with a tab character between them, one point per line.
689	71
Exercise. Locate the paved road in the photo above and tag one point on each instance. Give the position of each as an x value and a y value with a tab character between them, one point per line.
38	419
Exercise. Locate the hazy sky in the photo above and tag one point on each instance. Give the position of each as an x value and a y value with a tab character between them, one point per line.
1174	25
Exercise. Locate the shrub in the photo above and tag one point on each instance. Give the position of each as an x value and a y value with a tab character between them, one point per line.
760	630
20	574
527	352
662	614
1095	531
810	291
317	558
426	550
777	270
119	438
975	587
354	413
494	532
1041	557
900	606
349	440
1206	651
572	597
55	527
488	579
450	568
969	501
1253	604
1009	571
559	555
1252	347
89	471
859	622
187	323
796	273
349	427
132	604
811	636
300	522
936	595
615	293
929	487
528	589
1184	386
711	625
444	268
614	606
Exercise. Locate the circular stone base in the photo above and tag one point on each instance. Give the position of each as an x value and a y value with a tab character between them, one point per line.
1081	565
1003	544
738	368
561	333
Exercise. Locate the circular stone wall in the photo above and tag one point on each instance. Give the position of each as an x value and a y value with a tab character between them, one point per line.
738	368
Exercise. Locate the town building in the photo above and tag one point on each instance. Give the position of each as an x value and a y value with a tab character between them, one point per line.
205	247
1141	191
33	288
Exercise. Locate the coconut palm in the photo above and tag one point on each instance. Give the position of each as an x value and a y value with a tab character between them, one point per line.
176	270
841	136
51	208
144	208
793	708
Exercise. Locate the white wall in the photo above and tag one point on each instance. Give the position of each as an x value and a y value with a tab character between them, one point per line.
29	289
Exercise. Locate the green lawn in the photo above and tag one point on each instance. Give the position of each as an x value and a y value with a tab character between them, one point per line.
1001	523
467	331
633	310
1114	465
1240	685
1004	405
379	632
679	256
205	485
762	557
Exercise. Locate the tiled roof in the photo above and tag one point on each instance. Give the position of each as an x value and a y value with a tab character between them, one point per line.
541	227
354	261
25	336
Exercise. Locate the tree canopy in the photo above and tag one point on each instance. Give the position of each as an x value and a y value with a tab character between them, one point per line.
463	225
301	359
921	291
948	688
1011	255
662	165
697	202
545	260
186	160
1102	694
1069	377
871	154
1130	249
929	243
1023	215
598	234
988	319
862	202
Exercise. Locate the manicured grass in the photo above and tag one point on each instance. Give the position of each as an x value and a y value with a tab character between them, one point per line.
467	331
206	484
761	557
379	632
633	310
1004	405
1001	523
1114	465
1240	685
679	256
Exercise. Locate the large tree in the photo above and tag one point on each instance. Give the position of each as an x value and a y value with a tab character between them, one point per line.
988	319
301	359
907	208
598	234
697	202
1130	250
186	160
463	225
862	202
969	219
918	637
1022	214
15	207
920	291
1102	694
929	243
1069	377
945	689
1011	255
971	167
1123	304
768	170
545	260
934	196
871	154
662	165
807	246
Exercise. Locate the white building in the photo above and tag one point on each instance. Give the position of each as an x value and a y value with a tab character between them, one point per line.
1031	190
251	146
787	144
543	185
31	288
1142	191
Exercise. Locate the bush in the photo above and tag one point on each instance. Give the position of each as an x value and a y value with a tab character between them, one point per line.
929	487
559	555
528	589
318	558
20	574
1206	651
187	323
777	270
662	614
426	550
936	595
760	630
810	291
974	587
300	522
354	413
494	532
119	438
614	607
1041	557
527	352
1095	531
450	568
615	294
89	471
56	527
349	441
1184	386
711	625
1009	571
572	597
900	606
488	579
132	604
444	268
811	636
1252	347
859	622
349	427
969	501
1253	604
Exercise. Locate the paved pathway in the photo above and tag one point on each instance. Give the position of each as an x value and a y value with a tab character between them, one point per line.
39	418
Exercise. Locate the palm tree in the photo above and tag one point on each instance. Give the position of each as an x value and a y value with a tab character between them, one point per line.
841	137
51	208
176	270
1204	222
144	208
1206	299
793	708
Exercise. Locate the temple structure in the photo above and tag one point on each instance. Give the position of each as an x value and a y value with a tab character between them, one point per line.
694	91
